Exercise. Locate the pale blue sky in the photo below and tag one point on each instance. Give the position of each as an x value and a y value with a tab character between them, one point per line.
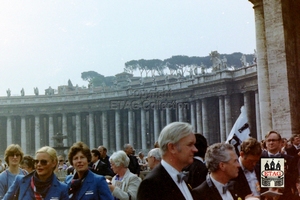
46	43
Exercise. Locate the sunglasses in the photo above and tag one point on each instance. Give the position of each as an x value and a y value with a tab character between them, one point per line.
43	162
61	160
14	154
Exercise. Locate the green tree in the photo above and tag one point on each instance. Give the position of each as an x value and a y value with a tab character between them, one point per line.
90	75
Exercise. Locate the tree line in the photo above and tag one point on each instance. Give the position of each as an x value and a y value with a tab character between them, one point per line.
158	67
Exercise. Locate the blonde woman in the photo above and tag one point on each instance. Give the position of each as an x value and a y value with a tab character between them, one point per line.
41	183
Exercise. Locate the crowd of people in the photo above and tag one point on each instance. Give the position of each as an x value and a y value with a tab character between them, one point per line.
182	165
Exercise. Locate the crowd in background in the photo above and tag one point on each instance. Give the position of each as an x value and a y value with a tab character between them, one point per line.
182	165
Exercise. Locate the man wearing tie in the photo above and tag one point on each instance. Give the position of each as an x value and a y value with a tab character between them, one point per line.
222	163
273	143
294	149
99	167
177	145
248	178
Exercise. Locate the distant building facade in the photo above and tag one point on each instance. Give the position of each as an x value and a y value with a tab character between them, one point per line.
131	112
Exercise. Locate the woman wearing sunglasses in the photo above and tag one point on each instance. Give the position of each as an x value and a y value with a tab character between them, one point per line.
12	156
41	183
84	184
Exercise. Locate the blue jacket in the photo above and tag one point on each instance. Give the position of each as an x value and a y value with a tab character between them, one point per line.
58	190
93	187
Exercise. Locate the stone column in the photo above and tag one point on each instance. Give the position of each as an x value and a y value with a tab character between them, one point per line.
168	116
143	129
37	132
64	129
105	129
9	131
130	127
193	121
262	67
92	131
23	134
180	112
228	120
156	124
51	131
163	118
257	113
205	119
247	107
118	130
222	119
78	127
199	116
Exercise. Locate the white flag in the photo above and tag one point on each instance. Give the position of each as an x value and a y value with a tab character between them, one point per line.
240	131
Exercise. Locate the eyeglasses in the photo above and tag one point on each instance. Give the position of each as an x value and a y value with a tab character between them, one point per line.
43	162
272	140
61	160
14	154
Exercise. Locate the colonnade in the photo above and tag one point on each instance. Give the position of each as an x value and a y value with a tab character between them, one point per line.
213	116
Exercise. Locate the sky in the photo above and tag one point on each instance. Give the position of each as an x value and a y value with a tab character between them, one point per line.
46	43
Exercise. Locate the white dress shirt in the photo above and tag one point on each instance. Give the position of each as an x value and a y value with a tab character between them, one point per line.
252	179
173	173
219	187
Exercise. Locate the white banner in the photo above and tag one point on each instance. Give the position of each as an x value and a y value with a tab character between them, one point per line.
240	131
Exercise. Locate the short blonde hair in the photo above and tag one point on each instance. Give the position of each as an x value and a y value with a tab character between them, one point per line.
50	151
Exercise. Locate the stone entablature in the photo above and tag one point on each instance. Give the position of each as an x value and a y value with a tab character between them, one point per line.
211	83
133	114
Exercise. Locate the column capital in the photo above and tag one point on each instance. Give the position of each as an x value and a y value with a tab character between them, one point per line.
256	3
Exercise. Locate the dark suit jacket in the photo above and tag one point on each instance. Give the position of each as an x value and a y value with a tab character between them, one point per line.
208	191
292	151
134	166
102	169
197	173
241	181
159	185
106	161
291	174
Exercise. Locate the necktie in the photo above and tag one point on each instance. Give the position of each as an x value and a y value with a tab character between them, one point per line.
277	155
228	186
182	176
94	166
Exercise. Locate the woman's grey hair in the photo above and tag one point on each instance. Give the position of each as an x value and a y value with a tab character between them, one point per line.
155	153
217	153
119	158
172	133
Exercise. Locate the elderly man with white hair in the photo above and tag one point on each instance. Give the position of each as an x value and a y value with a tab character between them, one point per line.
177	146
153	158
124	184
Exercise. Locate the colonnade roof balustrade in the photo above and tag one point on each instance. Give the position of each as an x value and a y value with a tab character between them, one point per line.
132	111
97	99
